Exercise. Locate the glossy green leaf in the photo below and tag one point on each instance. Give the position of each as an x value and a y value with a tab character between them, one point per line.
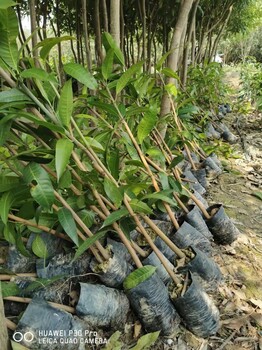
67	221
138	276
35	73
39	247
4	4
13	95
107	65
113	192
163	195
127	75
47	44
81	74
15	195
170	73
162	59
87	216
109	43
176	161
176	185
171	89
115	216
114	342
146	126
94	143
146	341
65	105
140	207
42	190
112	160
10	233
63	151
9	34
89	242
8	182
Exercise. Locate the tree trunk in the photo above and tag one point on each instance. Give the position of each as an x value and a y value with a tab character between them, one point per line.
143	19
59	46
86	36
21	28
122	25
115	20
105	15
98	42
172	61
189	37
32	10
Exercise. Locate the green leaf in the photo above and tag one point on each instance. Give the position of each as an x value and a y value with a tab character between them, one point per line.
4	132
116	215
39	247
138	276
63	151
42	191
81	74
13	95
146	126
18	346
8	182
8	198
65	105
113	192
140	207
9	289
176	161
176	185
163	195
257	194
126	77
49	43
94	143
10	233
112	160
4	4
107	65
113	342
65	180
9	34
109	43
67	221
87	216
88	243
162	59
164	180
146	341
171	89
36	73
169	73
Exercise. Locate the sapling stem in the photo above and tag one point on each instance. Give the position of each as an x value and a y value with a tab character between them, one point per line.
69	309
180	203
99	246
10	325
119	231
40	227
151	243
134	245
9	277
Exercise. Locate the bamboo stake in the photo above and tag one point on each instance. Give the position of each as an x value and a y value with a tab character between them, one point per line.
9	277
10	325
67	308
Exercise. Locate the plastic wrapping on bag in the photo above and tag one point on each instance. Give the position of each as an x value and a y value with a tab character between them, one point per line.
221	226
153	260
211	133
187	236
200	198
200	175
194	184
62	265
18	263
195	219
211	167
113	271
203	266
150	301
197	310
43	321
164	249
102	306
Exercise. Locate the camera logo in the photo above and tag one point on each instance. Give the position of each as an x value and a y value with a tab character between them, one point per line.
28	337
